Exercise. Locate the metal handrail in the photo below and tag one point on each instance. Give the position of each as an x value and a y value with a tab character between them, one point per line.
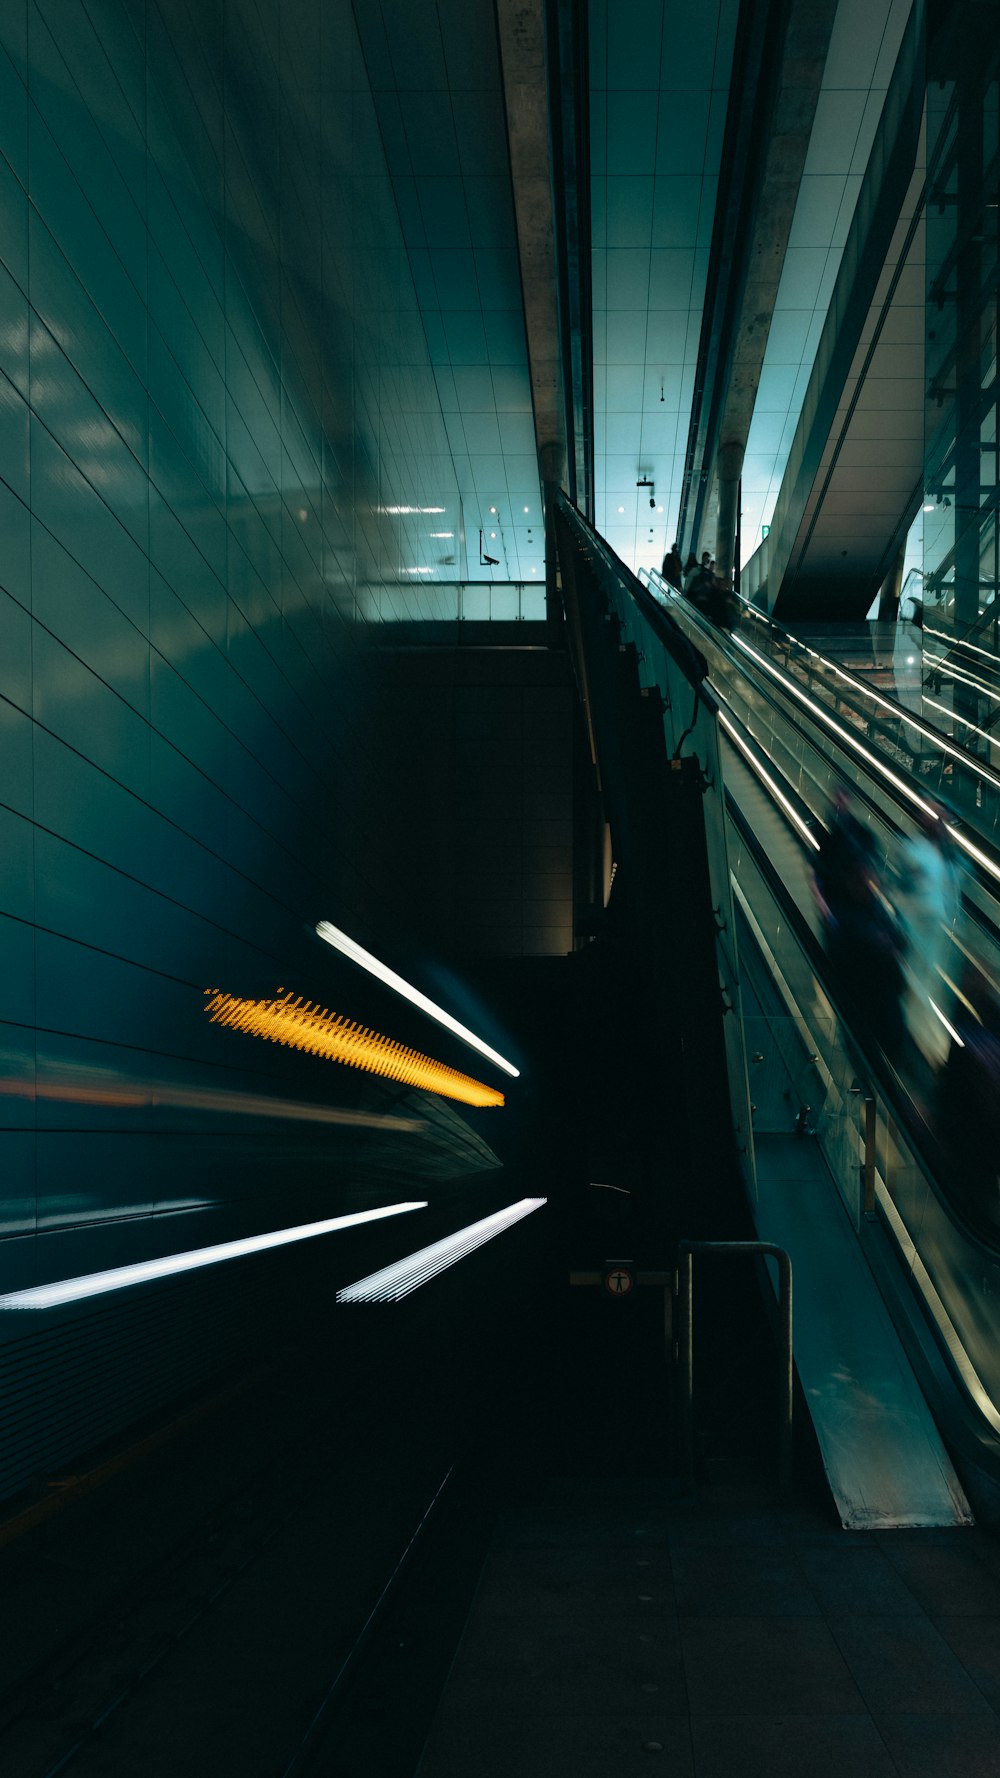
685	1273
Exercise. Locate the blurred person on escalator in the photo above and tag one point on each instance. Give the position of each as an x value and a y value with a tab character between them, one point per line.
863	939
968	1110
928	899
673	570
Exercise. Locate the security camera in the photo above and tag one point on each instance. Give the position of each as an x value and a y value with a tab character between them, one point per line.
652	499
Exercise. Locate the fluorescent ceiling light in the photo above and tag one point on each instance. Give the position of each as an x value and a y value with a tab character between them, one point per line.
340	942
406	1275
73	1290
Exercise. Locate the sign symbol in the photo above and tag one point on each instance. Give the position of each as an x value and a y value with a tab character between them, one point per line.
618	1281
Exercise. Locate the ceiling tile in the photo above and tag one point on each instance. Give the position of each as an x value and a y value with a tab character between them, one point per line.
676	207
626	338
465	336
490	212
627	278
683	132
474	389
505	340
455	278
666	334
631	132
430	135
634	40
623	432
817	210
629	220
442	207
417	54
517	435
480	132
512	389
482	434
499	275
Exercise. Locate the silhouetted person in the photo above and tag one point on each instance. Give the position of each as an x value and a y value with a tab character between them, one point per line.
863	940
691	567
672	569
928	900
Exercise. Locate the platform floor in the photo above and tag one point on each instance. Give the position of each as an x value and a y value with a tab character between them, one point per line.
617	1631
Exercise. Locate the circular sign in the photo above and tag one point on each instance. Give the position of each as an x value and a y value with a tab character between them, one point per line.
619	1281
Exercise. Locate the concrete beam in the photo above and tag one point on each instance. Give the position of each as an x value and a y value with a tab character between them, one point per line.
524	73
767	138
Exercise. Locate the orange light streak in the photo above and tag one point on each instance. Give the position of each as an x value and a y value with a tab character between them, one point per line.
299	1024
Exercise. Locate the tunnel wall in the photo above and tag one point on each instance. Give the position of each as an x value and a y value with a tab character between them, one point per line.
213	386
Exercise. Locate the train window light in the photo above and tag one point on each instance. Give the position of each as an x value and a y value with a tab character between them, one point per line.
74	1290
347	946
396	1281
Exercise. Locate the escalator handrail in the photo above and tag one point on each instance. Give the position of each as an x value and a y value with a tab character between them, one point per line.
876	1066
982	852
686	657
898	712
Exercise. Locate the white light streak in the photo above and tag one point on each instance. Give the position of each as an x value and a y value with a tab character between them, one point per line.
963	674
954	717
74	1290
340	942
766	779
952	1033
839	730
900	784
899	714
961	642
396	1281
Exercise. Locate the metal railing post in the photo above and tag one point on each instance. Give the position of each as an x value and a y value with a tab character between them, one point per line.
868	1170
685	1270
685	1274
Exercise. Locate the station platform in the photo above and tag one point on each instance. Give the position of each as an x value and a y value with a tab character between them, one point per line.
616	1630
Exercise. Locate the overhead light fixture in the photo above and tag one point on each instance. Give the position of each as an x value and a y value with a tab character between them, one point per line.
397	510
74	1290
418	570
621	509
301	1025
393	1282
357	954
440	533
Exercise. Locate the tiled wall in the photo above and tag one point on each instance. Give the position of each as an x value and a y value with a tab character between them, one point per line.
213	378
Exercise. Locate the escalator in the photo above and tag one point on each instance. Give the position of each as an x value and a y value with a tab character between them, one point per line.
838	1153
932	1242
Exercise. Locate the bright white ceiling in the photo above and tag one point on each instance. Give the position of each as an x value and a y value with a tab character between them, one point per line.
863	49
659	80
435	77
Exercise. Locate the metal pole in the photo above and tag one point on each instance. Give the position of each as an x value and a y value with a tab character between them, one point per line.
868	1171
785	1445
686	1428
685	1270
